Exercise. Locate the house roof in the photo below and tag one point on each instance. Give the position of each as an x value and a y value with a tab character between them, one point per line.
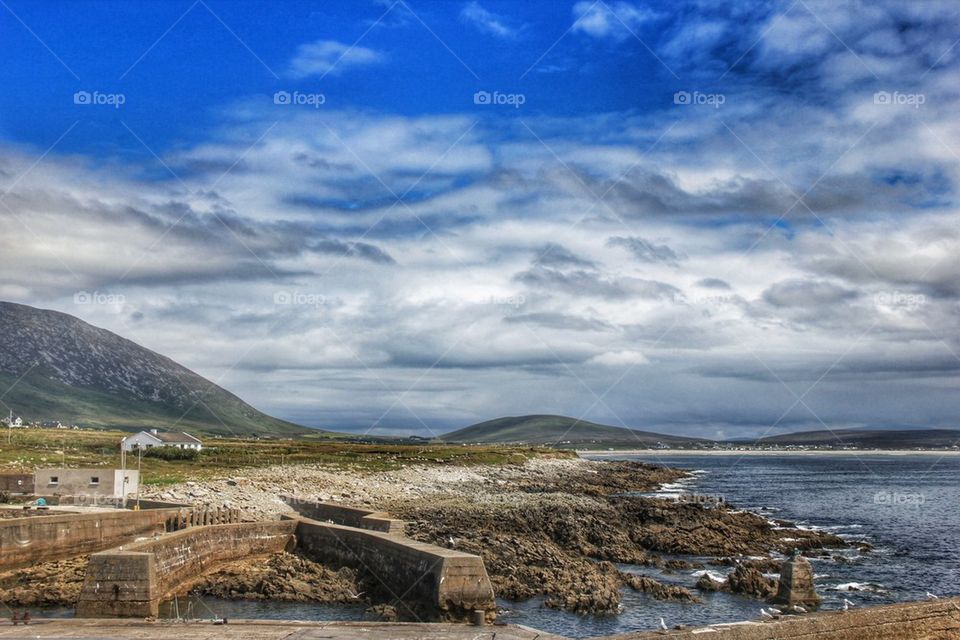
173	436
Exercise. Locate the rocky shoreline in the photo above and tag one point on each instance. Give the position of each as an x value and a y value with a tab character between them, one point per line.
557	528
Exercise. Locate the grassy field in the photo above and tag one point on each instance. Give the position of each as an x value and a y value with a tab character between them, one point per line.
25	449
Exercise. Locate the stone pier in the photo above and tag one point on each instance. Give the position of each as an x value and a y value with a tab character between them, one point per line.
131	581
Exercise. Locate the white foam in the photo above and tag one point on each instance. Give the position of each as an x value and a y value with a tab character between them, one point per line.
857	586
716	577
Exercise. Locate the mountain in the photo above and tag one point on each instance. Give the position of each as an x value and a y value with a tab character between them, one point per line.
869	438
561	431
54	366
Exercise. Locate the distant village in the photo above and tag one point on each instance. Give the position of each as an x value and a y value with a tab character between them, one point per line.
16	422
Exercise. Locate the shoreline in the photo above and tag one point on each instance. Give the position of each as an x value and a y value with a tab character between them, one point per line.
606	453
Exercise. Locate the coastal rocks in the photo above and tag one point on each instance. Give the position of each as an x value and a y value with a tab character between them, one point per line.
743	580
658	590
556	544
285	577
689	528
750	582
46	584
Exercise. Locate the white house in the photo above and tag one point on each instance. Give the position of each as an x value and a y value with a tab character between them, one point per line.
12	420
154	438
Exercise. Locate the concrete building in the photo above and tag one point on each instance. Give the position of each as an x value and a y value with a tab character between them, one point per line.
20	483
155	438
91	483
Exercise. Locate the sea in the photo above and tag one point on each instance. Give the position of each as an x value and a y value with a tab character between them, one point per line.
907	507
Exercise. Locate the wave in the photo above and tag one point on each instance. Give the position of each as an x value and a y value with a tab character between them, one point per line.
858	586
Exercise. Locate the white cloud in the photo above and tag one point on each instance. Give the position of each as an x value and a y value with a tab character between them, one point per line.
486	21
620	359
616	20
326	57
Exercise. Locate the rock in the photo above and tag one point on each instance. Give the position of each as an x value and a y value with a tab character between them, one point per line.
750	582
286	577
658	590
706	583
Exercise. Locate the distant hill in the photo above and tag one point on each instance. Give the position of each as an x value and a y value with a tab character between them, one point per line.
868	438
560	431
54	366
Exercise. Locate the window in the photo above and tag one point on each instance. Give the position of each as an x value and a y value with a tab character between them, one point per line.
54	479
94	479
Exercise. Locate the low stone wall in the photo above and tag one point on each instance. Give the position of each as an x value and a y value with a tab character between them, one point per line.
132	581
345	515
425	582
27	541
930	620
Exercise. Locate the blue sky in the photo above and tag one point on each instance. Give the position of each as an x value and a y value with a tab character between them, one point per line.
696	217
178	81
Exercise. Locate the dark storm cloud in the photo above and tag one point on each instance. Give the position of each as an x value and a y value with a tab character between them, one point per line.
807	293
714	283
563	321
555	255
588	283
361	250
644	250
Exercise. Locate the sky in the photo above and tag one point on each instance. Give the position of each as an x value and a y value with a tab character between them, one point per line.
406	216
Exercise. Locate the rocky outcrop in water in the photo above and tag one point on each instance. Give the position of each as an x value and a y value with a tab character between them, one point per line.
559	544
285	577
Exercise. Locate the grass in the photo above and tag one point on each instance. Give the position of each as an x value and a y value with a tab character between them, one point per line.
25	449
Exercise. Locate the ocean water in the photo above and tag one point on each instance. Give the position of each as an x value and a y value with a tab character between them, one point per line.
906	507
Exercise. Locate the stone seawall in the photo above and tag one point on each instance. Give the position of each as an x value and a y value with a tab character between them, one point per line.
133	580
345	515
930	620
424	581
27	541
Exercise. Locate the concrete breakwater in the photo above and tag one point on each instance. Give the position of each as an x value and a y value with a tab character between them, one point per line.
27	541
346	515
133	580
421	581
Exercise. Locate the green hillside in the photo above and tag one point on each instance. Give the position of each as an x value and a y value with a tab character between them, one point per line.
559	431
54	366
